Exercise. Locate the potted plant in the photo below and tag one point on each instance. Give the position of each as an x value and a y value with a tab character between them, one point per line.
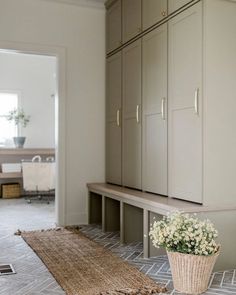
21	120
191	248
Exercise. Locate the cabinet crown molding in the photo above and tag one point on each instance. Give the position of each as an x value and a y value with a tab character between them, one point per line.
86	3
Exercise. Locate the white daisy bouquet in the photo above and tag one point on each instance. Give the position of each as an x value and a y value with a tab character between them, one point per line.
184	233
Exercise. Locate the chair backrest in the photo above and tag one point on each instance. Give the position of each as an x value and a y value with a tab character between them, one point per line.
38	176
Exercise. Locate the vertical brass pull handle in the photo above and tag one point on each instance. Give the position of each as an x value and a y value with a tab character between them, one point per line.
137	113
118	117
196	101
163	108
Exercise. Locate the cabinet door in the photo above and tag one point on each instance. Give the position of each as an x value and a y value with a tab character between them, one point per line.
185	105
113	120
131	18
154	137
153	12
131	115
174	5
113	26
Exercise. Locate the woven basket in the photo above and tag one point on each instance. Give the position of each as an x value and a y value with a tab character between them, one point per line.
11	190
191	273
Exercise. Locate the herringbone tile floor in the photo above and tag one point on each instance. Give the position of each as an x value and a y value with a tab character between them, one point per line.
32	276
157	268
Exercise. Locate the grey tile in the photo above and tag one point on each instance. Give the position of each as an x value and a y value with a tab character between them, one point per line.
158	268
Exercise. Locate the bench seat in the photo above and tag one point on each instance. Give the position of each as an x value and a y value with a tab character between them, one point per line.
132	212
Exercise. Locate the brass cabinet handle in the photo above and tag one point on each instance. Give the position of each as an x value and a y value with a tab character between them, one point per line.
118	117
163	108
196	101
137	113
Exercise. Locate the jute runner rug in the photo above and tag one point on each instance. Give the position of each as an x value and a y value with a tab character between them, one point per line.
83	267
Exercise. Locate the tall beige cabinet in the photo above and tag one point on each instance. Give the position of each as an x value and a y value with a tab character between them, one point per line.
132	115
219	102
154	122
178	99
185	105
113	119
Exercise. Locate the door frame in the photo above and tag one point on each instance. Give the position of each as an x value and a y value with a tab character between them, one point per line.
60	114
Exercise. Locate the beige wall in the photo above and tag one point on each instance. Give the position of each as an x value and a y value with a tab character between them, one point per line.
81	31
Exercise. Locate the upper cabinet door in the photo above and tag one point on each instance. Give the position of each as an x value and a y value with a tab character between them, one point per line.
154	136
131	18
113	26
132	115
174	5
153	12
185	105
113	120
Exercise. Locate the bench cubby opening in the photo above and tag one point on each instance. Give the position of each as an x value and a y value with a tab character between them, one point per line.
112	215
95	208
132	224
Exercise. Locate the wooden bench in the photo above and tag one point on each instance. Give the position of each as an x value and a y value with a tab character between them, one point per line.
131	212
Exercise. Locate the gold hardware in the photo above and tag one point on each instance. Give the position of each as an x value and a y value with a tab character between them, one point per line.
196	101
163	13
163	108
118	117
137	114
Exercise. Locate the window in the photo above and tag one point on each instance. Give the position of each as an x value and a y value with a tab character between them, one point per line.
8	102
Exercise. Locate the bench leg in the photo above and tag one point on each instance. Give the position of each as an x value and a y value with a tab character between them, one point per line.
145	233
122	238
103	214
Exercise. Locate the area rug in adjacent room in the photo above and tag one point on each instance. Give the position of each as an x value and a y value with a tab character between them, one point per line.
83	267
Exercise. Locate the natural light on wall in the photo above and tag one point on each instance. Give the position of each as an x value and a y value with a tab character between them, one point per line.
8	102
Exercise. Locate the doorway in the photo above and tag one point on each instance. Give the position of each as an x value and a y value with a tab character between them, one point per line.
55	58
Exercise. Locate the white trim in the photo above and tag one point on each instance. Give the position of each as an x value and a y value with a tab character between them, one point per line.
60	99
86	3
